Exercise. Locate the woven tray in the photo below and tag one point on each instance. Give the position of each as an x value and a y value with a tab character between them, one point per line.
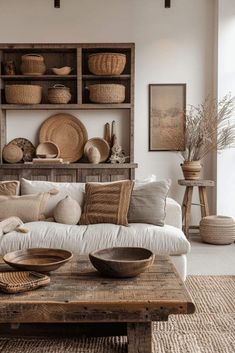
22	281
68	133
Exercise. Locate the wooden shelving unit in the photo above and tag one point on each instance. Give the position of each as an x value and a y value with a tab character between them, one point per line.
76	56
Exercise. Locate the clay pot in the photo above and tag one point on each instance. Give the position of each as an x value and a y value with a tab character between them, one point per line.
191	170
93	155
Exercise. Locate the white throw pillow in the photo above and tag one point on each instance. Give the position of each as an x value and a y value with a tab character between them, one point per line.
74	190
67	211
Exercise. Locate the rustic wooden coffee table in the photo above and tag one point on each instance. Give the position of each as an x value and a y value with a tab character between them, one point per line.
78	294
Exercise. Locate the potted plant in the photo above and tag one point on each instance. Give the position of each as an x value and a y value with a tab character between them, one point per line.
209	127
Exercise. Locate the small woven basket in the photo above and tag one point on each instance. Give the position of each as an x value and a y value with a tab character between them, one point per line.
23	94
59	94
107	63
12	153
107	93
33	64
217	230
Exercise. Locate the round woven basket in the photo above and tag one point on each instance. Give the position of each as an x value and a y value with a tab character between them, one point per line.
12	153
107	93
107	63
59	94
23	94
47	150
217	230
33	64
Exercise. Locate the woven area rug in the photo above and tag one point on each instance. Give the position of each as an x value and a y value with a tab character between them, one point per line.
210	330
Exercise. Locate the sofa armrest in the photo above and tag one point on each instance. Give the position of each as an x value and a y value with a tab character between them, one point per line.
173	213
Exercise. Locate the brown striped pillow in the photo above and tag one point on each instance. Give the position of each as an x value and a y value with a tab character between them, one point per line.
107	203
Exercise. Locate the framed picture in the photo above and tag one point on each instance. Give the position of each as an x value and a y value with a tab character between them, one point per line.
167	105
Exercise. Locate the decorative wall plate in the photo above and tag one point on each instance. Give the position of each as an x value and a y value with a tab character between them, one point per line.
68	133
26	146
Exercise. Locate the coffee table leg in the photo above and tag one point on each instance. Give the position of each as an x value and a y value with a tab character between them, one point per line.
139	337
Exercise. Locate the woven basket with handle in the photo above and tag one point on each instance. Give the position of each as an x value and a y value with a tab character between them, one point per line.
33	64
107	63
59	94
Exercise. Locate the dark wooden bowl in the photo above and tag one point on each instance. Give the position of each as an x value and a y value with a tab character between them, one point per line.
122	262
38	260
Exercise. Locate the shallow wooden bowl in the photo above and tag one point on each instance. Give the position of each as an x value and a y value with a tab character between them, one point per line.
38	260
122	262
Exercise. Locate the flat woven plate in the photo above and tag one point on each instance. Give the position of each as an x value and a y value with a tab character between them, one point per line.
102	146
68	133
22	281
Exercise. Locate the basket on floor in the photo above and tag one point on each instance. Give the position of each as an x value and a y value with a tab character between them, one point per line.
107	63
217	230
107	93
23	94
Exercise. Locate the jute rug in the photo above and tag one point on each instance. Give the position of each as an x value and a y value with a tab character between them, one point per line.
210	330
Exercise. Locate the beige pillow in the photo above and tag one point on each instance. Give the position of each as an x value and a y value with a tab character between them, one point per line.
148	203
67	211
28	208
107	203
9	187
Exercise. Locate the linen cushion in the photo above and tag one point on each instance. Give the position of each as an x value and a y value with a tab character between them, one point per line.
28	208
67	211
148	203
9	187
74	190
107	203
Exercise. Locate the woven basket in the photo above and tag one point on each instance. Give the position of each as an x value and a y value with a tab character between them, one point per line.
23	94
107	63
107	93
33	64
217	230
59	94
12	153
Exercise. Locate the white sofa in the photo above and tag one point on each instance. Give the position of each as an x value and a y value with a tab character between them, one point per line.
168	240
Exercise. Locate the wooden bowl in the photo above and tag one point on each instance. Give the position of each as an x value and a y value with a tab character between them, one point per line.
122	262
38	260
101	145
65	70
47	150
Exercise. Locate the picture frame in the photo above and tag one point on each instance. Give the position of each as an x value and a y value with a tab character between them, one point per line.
167	106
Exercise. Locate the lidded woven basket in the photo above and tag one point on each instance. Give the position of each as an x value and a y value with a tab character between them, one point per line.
59	94
33	64
107	93
107	63
217	230
23	94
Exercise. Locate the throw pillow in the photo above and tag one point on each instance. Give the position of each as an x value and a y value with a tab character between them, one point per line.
67	211
28	208
9	187
107	203
74	190
10	224
148	203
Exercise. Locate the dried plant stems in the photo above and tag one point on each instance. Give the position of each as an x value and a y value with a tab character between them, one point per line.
209	127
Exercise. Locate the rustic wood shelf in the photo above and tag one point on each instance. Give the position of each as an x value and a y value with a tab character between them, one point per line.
89	106
75	56
38	78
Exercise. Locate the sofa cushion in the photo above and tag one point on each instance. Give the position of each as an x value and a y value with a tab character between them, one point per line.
8	188
107	203
83	239
148	203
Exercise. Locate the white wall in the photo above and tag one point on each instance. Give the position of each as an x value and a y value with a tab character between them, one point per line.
226	83
172	46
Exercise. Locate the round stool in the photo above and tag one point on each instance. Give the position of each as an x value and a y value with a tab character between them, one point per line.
219	230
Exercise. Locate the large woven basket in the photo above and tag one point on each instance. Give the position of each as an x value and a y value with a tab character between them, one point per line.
107	63
217	230
23	94
33	64
107	93
59	94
